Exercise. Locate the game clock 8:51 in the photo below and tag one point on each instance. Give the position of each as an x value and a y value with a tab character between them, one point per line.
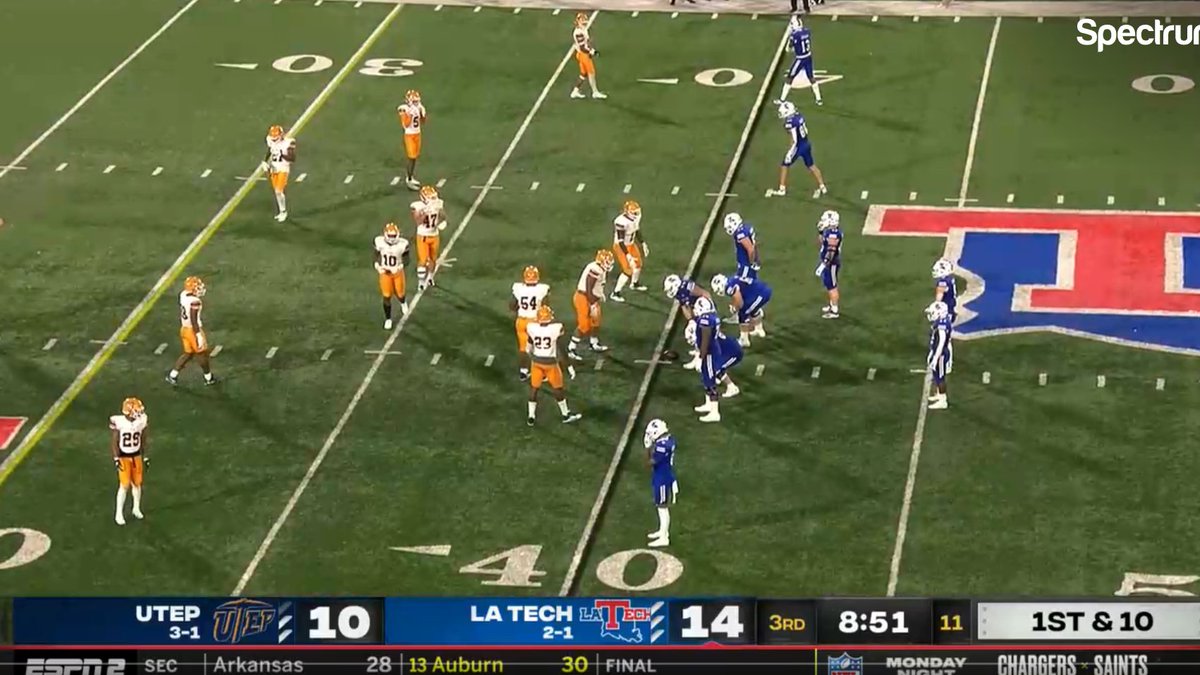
873	621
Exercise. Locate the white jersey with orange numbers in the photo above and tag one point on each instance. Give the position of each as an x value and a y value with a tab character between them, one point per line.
529	297
279	150
583	42
391	256
431	214
624	228
412	115
129	433
543	340
592	269
186	302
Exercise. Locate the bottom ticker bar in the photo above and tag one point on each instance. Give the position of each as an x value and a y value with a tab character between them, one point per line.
1014	660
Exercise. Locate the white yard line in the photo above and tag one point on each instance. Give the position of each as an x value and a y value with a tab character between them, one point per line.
914	459
983	86
606	484
92	92
168	277
277	526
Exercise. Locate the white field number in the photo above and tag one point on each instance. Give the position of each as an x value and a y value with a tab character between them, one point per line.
1163	84
304	64
1136	583
34	544
729	77
517	568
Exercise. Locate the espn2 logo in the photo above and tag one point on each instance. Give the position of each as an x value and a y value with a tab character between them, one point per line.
75	666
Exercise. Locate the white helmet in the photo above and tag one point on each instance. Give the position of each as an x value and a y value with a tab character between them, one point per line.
720	284
732	222
689	334
937	311
655	430
672	284
786	109
829	219
795	24
942	268
703	306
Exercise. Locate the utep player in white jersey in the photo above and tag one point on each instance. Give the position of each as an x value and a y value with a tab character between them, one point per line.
660	455
944	288
940	360
128	448
801	147
800	40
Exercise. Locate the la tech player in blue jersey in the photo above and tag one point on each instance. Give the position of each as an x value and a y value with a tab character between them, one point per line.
749	298
718	353
800	41
800	148
745	246
941	352
685	292
660	455
829	235
944	288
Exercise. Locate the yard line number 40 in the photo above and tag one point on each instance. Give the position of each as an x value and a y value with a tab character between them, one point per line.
517	567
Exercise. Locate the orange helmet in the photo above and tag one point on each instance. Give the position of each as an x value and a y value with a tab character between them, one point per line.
545	314
275	132
581	18
531	275
391	233
605	259
428	193
195	286
632	208
132	408
412	96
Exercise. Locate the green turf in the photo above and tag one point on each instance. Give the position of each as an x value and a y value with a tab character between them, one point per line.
1021	489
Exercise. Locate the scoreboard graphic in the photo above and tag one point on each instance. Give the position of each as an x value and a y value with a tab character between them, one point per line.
829	636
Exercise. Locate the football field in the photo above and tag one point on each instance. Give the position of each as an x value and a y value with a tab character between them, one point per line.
335	457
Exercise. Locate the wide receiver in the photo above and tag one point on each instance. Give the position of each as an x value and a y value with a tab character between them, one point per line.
412	118
629	248
548	362
128	449
589	293
391	255
528	296
585	55
191	331
281	152
428	213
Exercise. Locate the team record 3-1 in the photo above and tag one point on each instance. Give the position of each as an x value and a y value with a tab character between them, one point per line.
828	636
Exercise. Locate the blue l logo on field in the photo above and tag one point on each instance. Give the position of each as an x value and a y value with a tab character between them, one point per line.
1128	278
624	620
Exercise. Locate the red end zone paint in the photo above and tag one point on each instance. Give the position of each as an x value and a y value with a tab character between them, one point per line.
9	428
1110	261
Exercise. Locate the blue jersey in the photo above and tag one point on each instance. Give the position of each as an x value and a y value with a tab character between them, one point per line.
725	353
755	295
797	130
662	476
686	294
949	293
801	45
746	264
941	349
831	257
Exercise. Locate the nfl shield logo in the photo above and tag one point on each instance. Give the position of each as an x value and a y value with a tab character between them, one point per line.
845	665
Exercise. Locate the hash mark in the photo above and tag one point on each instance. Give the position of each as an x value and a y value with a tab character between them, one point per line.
579	188
157	170
715	15
160	348
957	19
436	357
516	10
871	374
1124	19
477	9
1100	381
875	19
1041	19
1162	201
358	4
438	8
754	16
673	14
109	168
206	173
1009	199
487	363
835	16
675	190
349	177
396	180
442	181
555	12
318	3
634	15
628	188
534	185
916	18
1160	383
61	166
216	350
864	194
759	370
271	352
1111	200
599	363
987	377
912	196
1041	379
326	354
301	177
49	344
1059	199
816	372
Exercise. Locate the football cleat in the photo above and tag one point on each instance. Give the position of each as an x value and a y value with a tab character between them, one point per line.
575	93
639	287
574	355
523	375
821	190
598	94
208	382
529	421
120	519
706	406
531	275
712	416
571	417
282	216
412	184
171	380
599	348
661	542
940	404
616	297
137	513
387	324
731	390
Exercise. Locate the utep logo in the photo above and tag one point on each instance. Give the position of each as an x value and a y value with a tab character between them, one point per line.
241	618
623	620
845	665
1129	278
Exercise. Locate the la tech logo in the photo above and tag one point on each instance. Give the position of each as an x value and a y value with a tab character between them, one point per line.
1123	277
